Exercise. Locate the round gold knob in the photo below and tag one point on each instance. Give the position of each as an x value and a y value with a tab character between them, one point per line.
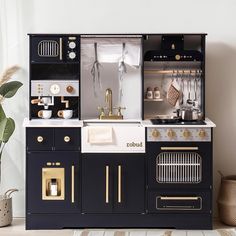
171	134
69	89
186	133
67	139
155	133
40	139
202	133
177	57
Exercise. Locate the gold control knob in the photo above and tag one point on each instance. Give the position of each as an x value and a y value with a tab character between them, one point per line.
186	133
39	139
171	134
69	89
155	133
67	139
202	133
177	57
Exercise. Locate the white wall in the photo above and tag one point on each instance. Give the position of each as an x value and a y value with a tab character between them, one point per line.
215	17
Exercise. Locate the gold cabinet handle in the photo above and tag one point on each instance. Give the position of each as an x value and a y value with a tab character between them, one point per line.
107	184
67	139
119	183
73	184
60	45
179	148
39	139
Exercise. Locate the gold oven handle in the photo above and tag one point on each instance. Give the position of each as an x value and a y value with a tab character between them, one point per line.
119	183
179	198
72	183
179	148
60	45
107	184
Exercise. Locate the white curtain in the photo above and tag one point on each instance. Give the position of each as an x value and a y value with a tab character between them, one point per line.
15	23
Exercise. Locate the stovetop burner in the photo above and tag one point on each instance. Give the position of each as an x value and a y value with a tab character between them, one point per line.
177	122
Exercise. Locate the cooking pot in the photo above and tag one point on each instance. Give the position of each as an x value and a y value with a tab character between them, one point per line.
189	114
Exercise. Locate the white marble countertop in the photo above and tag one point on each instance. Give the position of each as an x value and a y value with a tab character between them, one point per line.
52	123
81	123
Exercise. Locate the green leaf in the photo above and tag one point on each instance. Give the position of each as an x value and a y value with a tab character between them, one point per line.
7	127
2	113
9	89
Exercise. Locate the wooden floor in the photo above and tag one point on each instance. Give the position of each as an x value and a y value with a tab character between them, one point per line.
18	229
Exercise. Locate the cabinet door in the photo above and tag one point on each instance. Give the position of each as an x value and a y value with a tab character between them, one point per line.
97	183
129	184
52	180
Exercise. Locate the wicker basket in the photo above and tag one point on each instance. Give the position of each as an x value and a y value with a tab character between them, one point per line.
6	208
227	200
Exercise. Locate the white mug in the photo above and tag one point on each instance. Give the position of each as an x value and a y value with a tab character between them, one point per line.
45	114
66	114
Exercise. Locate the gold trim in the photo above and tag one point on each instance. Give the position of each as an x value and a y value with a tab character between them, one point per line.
107	184
60	42
179	148
119	183
73	184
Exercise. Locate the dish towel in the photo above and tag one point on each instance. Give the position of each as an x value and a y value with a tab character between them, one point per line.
100	135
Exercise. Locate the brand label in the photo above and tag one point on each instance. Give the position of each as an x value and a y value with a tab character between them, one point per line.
133	144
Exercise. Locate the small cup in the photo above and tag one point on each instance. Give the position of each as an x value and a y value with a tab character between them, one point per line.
66	114
45	114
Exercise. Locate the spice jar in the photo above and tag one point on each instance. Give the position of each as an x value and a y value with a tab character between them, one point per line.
149	93
156	94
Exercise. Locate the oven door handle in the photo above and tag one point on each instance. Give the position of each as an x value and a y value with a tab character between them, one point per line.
179	198
179	148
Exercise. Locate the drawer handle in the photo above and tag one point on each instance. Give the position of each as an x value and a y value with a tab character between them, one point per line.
67	139
179	148
179	198
107	184
119	183
40	139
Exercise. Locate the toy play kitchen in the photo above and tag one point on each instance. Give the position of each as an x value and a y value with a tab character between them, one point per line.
117	135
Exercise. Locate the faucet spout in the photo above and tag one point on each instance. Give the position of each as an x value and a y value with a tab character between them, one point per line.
108	99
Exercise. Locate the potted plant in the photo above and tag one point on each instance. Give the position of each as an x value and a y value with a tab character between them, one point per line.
7	127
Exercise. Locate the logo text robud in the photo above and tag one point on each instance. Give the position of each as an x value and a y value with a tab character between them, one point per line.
133	144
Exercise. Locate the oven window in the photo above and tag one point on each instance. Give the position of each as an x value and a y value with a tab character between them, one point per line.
178	167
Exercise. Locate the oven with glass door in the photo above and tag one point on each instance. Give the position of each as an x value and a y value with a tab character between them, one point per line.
179	170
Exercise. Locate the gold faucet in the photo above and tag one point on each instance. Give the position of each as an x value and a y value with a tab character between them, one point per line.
108	99
110	115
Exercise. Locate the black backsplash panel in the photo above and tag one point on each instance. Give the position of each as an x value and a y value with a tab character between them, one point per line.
73	105
55	71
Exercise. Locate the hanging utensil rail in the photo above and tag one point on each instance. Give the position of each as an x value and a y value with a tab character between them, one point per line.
150	71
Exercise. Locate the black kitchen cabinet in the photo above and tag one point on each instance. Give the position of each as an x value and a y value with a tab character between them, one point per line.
44	168
113	183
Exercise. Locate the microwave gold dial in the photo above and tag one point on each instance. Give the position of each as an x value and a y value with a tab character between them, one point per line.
55	89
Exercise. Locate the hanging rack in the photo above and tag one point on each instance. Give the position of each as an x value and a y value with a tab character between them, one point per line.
150	71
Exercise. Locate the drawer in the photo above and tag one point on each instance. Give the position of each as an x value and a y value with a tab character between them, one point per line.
179	202
67	139
39	139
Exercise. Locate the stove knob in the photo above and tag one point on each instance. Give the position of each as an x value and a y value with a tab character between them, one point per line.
69	89
72	55
202	133
171	134
186	133
72	45
155	133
